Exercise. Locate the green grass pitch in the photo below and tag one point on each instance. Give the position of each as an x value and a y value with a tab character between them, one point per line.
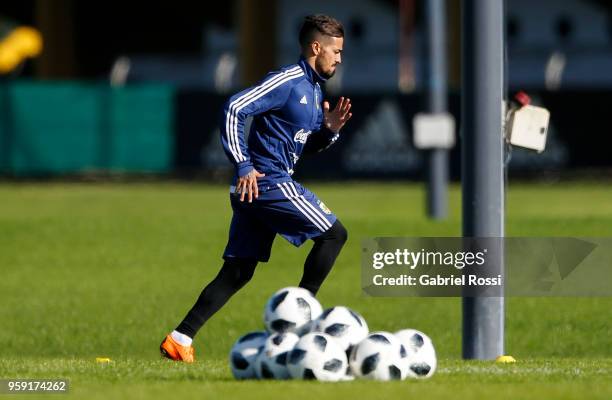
106	270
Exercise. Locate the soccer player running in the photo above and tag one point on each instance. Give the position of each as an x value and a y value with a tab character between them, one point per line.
289	119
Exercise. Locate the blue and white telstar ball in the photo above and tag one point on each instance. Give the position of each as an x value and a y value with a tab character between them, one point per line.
272	361
244	353
290	310
344	325
421	360
380	356
317	356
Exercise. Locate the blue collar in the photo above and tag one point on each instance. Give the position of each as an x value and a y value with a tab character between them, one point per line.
312	75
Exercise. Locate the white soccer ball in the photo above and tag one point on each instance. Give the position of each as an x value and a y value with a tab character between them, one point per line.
380	356
290	310
272	361
421	360
345	325
317	356
244	353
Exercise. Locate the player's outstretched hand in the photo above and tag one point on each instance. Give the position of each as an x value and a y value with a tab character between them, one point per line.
248	184
335	119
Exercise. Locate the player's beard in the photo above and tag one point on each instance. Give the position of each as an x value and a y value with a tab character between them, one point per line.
323	73
329	74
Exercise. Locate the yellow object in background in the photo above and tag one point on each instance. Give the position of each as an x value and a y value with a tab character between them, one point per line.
28	41
23	42
505	360
103	360
9	58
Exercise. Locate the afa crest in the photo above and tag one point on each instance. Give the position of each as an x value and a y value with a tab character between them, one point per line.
323	207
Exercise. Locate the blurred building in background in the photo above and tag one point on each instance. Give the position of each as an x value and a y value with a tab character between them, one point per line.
178	61
560	44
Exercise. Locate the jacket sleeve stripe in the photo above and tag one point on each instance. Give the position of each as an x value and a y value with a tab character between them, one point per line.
233	141
231	122
249	97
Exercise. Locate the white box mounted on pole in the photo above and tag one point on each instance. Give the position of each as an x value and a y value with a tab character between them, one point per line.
528	127
434	131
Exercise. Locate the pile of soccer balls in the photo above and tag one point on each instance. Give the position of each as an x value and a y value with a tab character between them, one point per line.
301	341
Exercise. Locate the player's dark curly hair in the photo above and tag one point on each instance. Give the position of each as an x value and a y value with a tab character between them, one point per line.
323	24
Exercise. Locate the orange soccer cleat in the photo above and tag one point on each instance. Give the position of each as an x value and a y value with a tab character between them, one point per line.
169	348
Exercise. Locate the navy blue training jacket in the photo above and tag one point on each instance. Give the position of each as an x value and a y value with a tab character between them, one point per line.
286	107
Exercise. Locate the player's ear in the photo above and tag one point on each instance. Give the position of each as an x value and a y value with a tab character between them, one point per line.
316	47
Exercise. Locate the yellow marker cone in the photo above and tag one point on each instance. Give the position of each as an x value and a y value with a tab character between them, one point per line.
9	58
103	360
27	40
505	360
